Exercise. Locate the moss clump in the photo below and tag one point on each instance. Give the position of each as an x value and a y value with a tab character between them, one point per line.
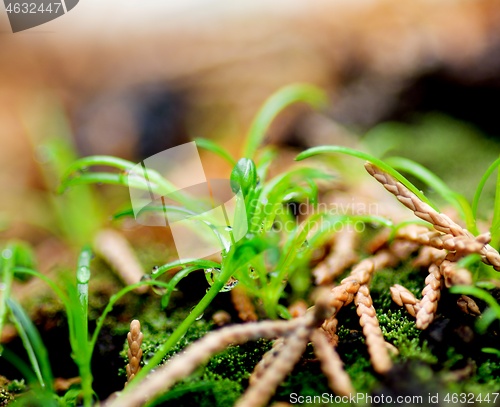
9	389
399	330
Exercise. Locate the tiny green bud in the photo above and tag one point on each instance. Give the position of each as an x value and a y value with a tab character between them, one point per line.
243	176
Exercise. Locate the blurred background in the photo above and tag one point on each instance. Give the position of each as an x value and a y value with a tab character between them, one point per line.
132	78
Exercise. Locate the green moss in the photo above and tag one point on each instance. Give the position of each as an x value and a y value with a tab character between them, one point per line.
401	331
5	397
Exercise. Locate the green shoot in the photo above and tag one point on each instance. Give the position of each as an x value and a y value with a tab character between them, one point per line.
365	156
37	352
482	182
55	154
81	351
273	106
215	148
8	263
458	201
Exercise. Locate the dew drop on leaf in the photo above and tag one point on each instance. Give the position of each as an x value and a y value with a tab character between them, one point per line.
304	246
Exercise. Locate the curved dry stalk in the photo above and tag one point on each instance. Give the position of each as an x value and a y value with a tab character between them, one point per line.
468	305
117	252
183	364
402	296
374	337
331	364
428	255
243	304
298	308
454	275
134	339
402	249
441	222
342	257
294	345
262	388
266	360
329	328
361	274
430	297
462	244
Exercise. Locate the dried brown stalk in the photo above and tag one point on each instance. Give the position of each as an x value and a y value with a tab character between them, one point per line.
330	330
468	305
402	296
266	360
116	251
454	275
361	274
441	222
331	364
243	304
262	388
377	349
430	297
134	339
221	318
198	353
342	257
298	308
402	249
428	255
463	244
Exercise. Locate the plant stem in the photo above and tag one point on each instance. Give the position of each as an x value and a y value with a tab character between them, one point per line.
495	224
184	326
8	259
82	280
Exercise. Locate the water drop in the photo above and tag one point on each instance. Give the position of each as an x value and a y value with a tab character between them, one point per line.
198	317
304	246
211	274
229	285
229	228
252	274
7	254
155	269
146	277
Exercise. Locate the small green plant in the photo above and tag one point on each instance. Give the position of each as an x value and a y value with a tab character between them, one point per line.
74	297
272	260
468	211
276	247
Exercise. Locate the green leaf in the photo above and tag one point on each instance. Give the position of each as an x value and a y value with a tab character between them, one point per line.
365	156
458	201
32	342
215	148
276	103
